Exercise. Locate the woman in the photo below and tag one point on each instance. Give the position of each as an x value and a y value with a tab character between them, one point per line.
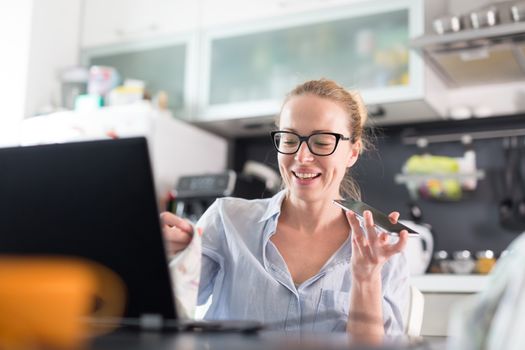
296	259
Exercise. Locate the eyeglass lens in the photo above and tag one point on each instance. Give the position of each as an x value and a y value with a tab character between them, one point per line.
320	144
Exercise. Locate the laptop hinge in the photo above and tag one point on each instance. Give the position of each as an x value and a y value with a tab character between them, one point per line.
151	322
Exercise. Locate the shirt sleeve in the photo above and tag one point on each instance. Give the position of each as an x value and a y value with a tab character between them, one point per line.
396	289
212	241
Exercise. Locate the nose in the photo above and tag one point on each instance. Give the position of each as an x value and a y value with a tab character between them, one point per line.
304	154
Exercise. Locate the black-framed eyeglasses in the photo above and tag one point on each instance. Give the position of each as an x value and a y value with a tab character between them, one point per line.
319	143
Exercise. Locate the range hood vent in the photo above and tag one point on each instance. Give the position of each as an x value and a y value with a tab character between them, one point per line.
477	56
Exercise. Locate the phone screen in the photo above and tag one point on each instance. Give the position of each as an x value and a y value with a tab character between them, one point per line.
380	218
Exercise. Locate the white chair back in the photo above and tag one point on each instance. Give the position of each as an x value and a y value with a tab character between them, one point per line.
413	317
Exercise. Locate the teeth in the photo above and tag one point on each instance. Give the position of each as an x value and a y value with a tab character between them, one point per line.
305	175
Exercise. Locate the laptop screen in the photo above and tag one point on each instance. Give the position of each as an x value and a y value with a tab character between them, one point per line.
94	200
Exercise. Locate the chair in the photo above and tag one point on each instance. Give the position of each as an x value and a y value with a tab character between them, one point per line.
413	315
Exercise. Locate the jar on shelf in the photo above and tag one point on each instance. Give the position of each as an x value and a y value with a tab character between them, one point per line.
439	262
485	261
462	262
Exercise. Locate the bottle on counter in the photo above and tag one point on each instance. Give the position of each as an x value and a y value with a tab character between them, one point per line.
485	261
440	262
462	262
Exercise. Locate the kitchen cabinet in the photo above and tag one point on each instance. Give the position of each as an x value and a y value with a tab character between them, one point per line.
248	68
442	292
242	57
163	64
225	12
118	21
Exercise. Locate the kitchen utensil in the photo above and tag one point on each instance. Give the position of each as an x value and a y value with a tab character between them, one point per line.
271	178
485	17
517	11
507	204
447	24
520	173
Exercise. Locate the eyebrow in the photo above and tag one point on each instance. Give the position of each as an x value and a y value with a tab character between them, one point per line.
313	132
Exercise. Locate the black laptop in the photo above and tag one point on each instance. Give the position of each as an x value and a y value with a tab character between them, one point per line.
96	200
89	199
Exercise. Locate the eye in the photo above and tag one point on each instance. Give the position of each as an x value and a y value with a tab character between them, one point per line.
323	141
289	140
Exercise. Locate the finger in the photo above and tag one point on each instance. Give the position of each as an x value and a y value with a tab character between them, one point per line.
357	231
175	235
356	248
361	240
383	237
371	232
393	217
171	219
399	245
358	236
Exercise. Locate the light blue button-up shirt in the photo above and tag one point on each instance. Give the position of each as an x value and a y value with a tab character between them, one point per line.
248	278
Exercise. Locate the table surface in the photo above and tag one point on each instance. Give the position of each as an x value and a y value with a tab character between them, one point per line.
262	340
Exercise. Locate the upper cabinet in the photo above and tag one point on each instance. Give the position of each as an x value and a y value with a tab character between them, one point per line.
224	12
243	56
118	21
163	64
249	68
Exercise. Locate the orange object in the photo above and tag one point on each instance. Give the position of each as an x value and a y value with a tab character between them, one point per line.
485	261
47	301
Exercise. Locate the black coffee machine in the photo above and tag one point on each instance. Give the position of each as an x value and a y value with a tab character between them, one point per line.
195	193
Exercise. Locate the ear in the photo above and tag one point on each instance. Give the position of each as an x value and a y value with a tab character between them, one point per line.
354	154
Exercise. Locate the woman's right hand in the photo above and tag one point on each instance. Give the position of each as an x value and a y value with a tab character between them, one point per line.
177	232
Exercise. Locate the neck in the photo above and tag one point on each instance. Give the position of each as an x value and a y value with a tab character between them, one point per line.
311	217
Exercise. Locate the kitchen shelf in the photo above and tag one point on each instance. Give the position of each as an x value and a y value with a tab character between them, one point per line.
466	38
406	178
465	138
448	283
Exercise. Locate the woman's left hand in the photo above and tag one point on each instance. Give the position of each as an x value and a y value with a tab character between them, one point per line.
371	250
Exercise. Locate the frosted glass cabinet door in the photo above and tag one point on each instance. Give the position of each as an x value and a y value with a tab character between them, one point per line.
161	68
368	51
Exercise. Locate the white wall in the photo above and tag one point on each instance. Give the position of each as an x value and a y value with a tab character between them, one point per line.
54	45
15	29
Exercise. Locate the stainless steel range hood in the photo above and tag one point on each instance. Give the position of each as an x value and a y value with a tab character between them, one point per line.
477	56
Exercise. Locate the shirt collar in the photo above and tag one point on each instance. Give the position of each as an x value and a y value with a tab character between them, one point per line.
274	207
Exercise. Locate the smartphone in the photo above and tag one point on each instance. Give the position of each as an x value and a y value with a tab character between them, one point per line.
380	219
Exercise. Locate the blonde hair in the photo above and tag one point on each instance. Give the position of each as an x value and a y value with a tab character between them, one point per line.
353	104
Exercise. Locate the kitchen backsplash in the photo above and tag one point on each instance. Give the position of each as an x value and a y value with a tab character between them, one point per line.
472	223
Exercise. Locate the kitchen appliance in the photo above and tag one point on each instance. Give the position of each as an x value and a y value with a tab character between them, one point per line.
419	249
193	194
486	48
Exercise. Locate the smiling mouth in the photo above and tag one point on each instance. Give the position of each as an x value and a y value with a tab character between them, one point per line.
306	176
